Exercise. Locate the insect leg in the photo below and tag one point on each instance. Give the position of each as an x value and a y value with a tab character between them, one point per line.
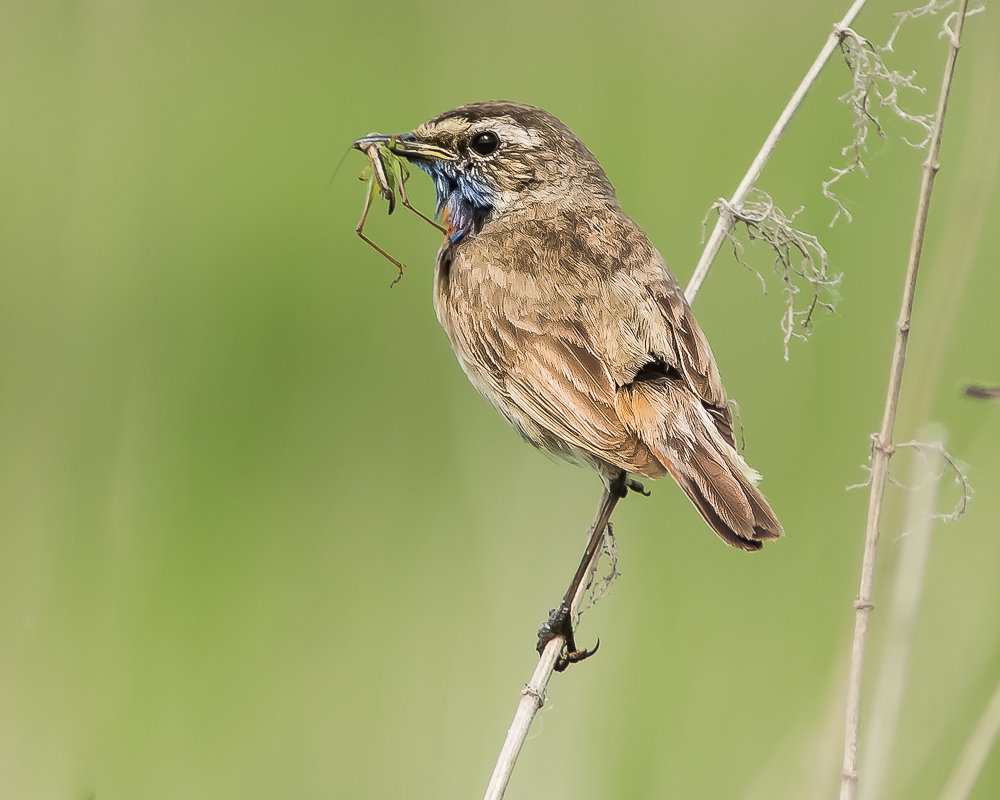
359	229
406	202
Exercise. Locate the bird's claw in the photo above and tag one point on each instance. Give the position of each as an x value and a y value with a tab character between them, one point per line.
558	624
636	486
567	656
623	484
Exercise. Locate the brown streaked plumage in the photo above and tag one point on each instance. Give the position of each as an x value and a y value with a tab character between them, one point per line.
567	319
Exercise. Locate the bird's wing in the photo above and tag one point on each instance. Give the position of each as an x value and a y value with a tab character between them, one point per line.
558	338
685	343
552	376
633	313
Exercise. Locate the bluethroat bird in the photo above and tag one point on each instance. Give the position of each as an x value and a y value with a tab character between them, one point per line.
567	319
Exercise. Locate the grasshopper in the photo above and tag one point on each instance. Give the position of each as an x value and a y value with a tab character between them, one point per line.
388	173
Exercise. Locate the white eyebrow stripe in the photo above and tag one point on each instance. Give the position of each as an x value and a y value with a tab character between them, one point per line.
509	131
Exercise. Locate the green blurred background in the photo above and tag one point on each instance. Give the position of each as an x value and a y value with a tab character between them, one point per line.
258	536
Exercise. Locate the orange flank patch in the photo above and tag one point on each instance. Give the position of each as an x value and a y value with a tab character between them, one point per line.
640	418
635	410
450	230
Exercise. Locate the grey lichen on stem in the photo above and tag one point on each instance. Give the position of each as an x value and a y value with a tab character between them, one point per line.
883	444
874	87
800	260
726	220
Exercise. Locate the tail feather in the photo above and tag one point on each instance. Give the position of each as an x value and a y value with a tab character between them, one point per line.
728	501
710	482
707	510
676	427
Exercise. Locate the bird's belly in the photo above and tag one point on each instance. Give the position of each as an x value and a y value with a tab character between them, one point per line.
491	384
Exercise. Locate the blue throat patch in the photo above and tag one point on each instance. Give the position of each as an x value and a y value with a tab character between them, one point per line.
468	201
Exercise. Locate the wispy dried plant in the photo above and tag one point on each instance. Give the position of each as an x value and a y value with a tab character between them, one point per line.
725	222
597	588
874	88
932	8
800	260
947	465
878	89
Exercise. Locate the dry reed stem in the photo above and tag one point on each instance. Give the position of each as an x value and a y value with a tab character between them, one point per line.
890	685
726	220
533	693
883	442
532	699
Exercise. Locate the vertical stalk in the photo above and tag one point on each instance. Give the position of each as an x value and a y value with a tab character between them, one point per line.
882	448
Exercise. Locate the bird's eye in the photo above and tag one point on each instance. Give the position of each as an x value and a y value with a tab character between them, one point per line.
485	143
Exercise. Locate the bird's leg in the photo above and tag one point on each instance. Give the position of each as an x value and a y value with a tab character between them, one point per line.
559	622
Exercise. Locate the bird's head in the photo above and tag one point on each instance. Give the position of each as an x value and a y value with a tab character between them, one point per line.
496	158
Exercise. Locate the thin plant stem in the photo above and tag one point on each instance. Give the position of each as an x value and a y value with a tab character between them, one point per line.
726	219
883	445
890	686
976	174
532	699
533	693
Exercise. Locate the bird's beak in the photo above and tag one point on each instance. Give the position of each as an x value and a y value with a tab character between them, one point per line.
406	145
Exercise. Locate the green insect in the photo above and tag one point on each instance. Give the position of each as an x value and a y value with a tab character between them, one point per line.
388	173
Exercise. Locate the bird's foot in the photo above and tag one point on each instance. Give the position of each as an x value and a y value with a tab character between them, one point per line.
558	624
623	484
